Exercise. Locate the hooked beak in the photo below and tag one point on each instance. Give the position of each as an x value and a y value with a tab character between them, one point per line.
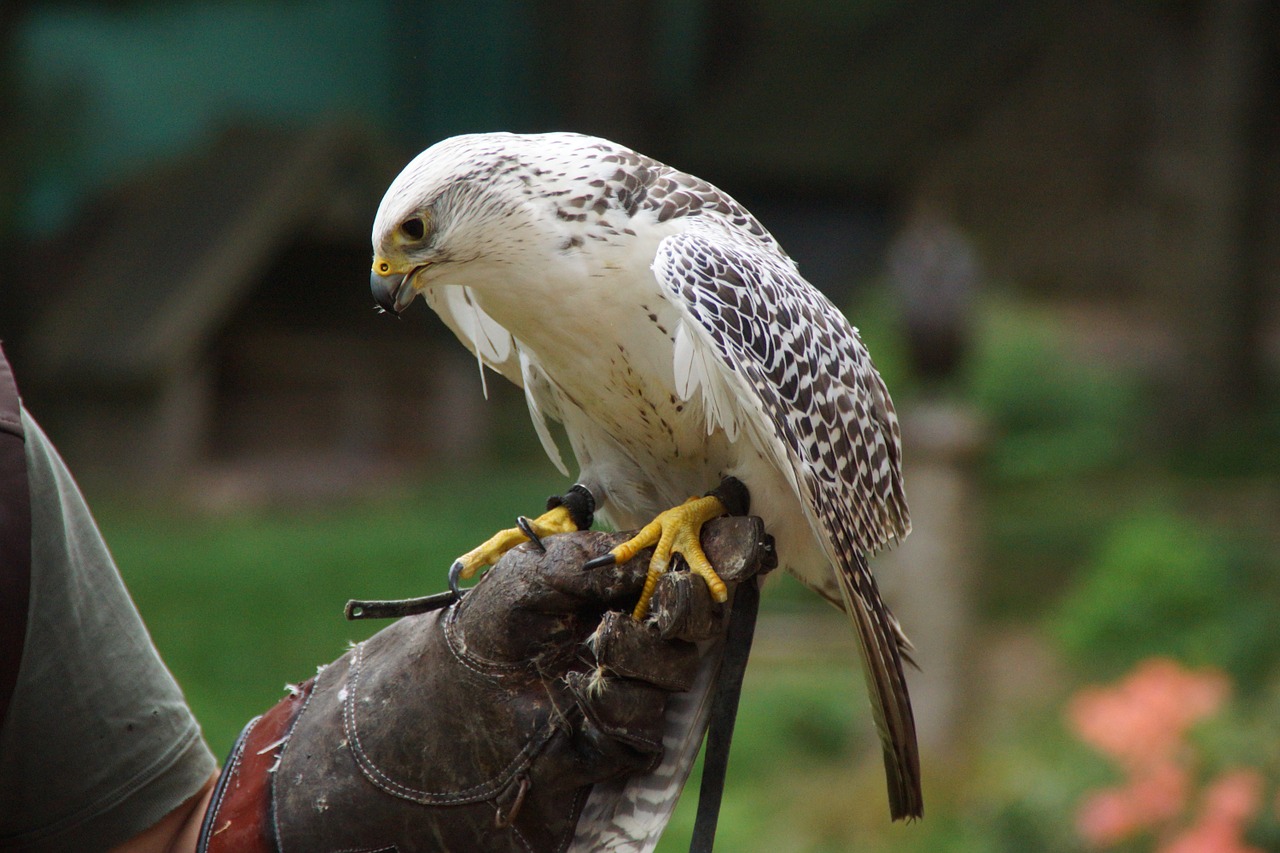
393	291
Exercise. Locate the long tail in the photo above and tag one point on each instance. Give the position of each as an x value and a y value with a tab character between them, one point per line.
884	646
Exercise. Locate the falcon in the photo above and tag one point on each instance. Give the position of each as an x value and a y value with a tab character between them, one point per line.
656	320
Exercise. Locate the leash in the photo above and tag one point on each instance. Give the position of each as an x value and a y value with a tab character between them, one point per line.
358	608
724	712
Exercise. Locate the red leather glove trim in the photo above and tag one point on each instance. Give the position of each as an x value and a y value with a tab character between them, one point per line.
240	817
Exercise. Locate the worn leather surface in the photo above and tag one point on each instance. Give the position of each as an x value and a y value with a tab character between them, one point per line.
401	723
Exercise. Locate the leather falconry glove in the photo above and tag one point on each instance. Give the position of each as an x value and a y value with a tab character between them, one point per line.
481	726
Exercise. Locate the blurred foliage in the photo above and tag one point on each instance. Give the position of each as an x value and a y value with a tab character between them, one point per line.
1246	446
1163	584
875	314
1060	432
1053	414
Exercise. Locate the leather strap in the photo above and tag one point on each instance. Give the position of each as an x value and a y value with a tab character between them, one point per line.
15	537
724	712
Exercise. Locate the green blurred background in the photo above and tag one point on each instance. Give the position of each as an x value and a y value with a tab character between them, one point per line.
1056	224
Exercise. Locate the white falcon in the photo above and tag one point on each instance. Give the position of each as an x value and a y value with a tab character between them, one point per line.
658	321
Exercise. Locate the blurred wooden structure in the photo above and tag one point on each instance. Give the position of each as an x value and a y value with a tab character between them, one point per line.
219	311
929	579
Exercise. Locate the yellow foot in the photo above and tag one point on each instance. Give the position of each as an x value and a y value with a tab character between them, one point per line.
674	531
557	520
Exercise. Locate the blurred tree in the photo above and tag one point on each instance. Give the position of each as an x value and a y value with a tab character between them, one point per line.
1233	92
606	63
465	67
935	273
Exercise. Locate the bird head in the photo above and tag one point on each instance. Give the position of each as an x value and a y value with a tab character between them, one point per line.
401	253
453	211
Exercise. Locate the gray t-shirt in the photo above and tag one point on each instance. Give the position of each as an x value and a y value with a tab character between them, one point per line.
99	743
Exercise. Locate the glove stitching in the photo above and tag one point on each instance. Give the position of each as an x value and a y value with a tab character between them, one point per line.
284	744
235	765
478	665
574	808
501	821
476	793
524	842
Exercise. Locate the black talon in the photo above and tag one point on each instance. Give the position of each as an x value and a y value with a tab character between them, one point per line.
600	562
455	573
526	527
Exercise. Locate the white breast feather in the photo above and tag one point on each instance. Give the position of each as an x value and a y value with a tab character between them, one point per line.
484	336
695	368
535	382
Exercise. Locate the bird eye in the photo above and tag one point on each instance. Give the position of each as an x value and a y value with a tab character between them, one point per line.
413	228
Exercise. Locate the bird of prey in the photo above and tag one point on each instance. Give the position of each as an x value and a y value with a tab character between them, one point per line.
665	329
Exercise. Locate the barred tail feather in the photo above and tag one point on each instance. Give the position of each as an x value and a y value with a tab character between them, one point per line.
629	815
883	645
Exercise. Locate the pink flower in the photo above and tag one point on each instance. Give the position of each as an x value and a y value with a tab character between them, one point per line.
1107	817
1234	797
1230	801
1209	837
1141	722
1160	792
1156	795
1143	718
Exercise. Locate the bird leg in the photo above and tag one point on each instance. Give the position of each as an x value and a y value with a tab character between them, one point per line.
677	531
565	513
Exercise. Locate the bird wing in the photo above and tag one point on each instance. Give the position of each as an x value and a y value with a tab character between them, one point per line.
775	360
772	354
772	360
770	357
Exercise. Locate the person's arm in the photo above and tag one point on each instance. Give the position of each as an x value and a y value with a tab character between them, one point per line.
177	831
99	745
